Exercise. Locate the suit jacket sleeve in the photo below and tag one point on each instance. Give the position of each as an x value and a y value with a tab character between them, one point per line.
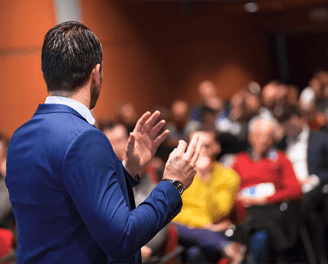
91	171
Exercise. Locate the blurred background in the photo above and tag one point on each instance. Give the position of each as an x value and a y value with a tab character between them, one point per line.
158	51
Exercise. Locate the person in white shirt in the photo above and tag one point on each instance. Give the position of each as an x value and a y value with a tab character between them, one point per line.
308	152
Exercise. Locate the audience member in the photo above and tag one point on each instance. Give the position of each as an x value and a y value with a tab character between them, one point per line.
201	223
268	96
127	115
267	180
309	111
317	90
293	94
233	129
252	93
117	134
6	215
308	152
207	92
232	123
178	122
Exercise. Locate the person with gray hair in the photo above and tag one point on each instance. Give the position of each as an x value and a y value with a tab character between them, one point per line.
267	181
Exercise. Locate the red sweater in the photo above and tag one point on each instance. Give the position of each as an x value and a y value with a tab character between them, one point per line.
277	170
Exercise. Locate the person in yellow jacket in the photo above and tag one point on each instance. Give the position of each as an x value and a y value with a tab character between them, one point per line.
206	204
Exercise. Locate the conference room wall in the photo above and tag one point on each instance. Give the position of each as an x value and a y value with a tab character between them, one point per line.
153	53
23	25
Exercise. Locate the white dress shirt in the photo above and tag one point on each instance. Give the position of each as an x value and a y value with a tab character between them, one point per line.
77	106
297	152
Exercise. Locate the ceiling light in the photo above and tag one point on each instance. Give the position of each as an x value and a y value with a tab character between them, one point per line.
251	7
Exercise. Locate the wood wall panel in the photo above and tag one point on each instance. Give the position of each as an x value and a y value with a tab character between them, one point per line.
23	25
154	54
154	51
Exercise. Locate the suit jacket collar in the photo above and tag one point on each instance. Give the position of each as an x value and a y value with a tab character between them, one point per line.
76	105
56	108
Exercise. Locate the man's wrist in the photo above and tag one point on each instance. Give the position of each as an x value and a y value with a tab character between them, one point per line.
177	184
130	171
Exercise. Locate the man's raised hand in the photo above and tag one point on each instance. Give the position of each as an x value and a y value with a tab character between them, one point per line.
181	164
143	142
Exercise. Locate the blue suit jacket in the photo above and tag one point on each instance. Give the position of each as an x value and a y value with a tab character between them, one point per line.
72	197
318	155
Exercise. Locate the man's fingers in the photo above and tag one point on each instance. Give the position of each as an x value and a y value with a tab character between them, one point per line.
154	131
196	154
141	122
192	147
150	122
131	142
159	140
181	148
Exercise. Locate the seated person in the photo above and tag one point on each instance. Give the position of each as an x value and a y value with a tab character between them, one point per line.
267	179
7	219
117	134
208	200
308	151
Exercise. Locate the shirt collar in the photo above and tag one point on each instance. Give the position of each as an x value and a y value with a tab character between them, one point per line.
77	106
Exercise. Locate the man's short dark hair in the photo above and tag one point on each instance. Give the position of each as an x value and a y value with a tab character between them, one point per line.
70	51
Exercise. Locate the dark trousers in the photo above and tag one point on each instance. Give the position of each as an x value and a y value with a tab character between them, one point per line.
314	203
209	242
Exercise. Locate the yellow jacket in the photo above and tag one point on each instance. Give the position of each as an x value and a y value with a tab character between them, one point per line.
207	201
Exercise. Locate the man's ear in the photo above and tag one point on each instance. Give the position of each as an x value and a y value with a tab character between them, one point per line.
96	74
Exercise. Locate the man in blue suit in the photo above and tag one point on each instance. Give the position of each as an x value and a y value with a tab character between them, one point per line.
72	197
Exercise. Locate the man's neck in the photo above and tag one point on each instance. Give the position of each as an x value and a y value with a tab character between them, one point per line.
82	95
61	93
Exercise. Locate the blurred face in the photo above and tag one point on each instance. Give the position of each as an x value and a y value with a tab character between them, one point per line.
215	103
316	86
206	90
294	126
236	104
128	113
261	137
269	94
119	139
210	147
179	110
252	103
281	95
